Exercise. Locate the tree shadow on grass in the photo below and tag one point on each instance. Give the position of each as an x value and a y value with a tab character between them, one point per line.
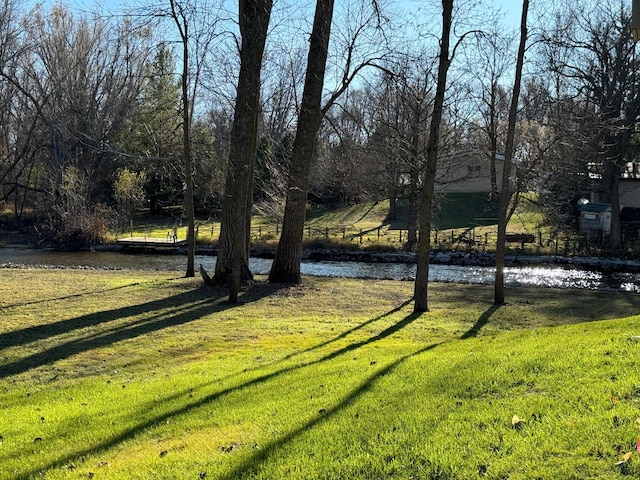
480	323
350	331
265	453
70	296
156	315
340	336
252	465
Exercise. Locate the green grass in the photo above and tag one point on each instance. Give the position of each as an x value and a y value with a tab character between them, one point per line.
143	375
458	217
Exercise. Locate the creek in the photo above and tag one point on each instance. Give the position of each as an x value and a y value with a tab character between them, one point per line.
536	276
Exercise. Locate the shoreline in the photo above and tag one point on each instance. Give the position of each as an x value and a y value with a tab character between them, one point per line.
470	259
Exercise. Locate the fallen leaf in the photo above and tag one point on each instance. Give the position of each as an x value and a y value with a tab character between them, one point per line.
516	422
625	458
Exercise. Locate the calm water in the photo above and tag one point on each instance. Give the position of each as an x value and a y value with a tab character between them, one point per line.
556	277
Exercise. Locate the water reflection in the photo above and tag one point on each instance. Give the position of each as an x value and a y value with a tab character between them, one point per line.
556	277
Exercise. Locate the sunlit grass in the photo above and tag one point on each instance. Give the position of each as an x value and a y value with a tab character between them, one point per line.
143	375
461	222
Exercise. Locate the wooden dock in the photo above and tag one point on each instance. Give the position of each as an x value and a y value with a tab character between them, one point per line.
151	244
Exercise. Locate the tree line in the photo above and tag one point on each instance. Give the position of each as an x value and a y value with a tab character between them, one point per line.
254	110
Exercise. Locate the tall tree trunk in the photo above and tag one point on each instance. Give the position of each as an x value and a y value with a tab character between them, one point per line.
493	139
187	163
286	264
414	187
420	293
505	188
414	204
232	264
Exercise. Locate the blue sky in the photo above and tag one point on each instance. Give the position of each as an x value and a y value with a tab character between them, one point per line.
511	8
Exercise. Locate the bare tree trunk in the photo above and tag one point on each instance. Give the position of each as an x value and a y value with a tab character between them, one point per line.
232	264
414	205
182	25
414	187
493	138
286	264
505	188
420	294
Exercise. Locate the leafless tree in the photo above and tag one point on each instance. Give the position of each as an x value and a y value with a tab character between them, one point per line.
73	86
506	187
196	28
232	264
592	49
286	264
491	53
420	295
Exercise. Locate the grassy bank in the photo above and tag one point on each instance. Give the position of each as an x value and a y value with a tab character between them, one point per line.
458	219
144	375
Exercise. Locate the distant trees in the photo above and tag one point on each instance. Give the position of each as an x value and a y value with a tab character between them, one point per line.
73	82
403	114
491	96
593	52
128	190
151	137
84	97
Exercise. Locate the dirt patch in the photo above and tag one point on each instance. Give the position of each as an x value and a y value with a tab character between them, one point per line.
262	289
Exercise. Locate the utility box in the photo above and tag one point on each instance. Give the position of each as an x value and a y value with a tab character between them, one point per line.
595	218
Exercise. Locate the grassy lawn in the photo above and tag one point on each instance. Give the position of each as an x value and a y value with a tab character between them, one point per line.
143	375
458	218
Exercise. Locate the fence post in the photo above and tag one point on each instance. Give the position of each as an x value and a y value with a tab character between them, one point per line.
378	233
326	233
400	236
360	236
309	232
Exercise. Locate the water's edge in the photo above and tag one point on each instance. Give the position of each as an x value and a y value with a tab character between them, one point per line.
554	272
